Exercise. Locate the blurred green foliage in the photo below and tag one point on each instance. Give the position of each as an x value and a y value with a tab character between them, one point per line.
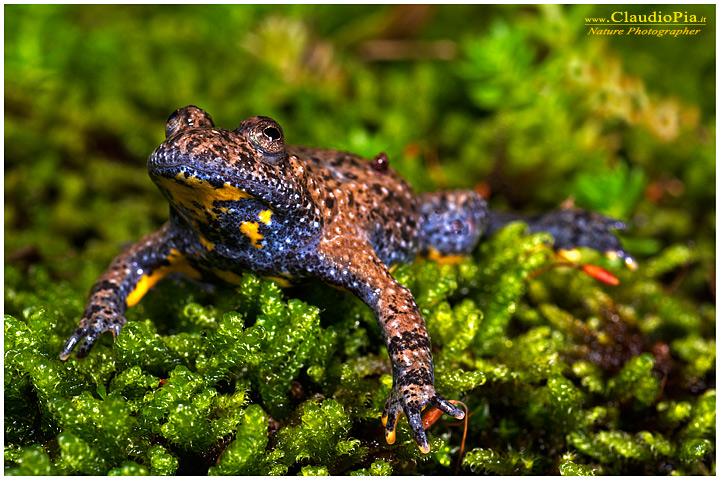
560	373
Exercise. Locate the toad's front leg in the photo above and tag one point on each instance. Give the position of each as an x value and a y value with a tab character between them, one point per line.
130	275
352	264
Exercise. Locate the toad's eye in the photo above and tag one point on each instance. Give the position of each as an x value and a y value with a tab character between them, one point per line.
267	136
172	124
272	134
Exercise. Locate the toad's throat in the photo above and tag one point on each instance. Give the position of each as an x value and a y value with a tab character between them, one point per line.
197	199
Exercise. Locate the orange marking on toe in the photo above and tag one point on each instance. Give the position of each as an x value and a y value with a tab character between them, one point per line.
631	264
390	436
570	255
611	255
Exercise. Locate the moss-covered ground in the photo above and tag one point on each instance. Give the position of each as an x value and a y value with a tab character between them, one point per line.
561	374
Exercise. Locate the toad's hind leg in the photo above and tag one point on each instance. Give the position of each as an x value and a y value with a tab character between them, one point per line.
451	222
572	228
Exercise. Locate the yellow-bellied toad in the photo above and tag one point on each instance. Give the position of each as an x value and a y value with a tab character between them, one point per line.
242	200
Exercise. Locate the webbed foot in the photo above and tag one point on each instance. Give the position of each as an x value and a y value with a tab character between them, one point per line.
410	399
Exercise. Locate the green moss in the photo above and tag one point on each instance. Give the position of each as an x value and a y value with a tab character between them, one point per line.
569	467
78	456
484	460
698	353
161	461
30	461
314	471
246	454
635	380
378	467
321	434
672	413
560	374
702	418
129	468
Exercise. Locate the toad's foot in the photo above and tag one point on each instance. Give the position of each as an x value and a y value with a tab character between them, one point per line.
572	228
89	331
411	399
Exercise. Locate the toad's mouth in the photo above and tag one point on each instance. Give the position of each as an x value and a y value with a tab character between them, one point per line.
182	172
194	188
208	178
210	169
169	163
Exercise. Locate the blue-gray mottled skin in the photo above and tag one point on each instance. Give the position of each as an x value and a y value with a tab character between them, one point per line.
243	200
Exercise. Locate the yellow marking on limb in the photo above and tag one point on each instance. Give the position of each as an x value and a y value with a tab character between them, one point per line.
283	282
250	230
228	276
438	257
214	214
571	255
206	243
265	216
178	264
342	289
